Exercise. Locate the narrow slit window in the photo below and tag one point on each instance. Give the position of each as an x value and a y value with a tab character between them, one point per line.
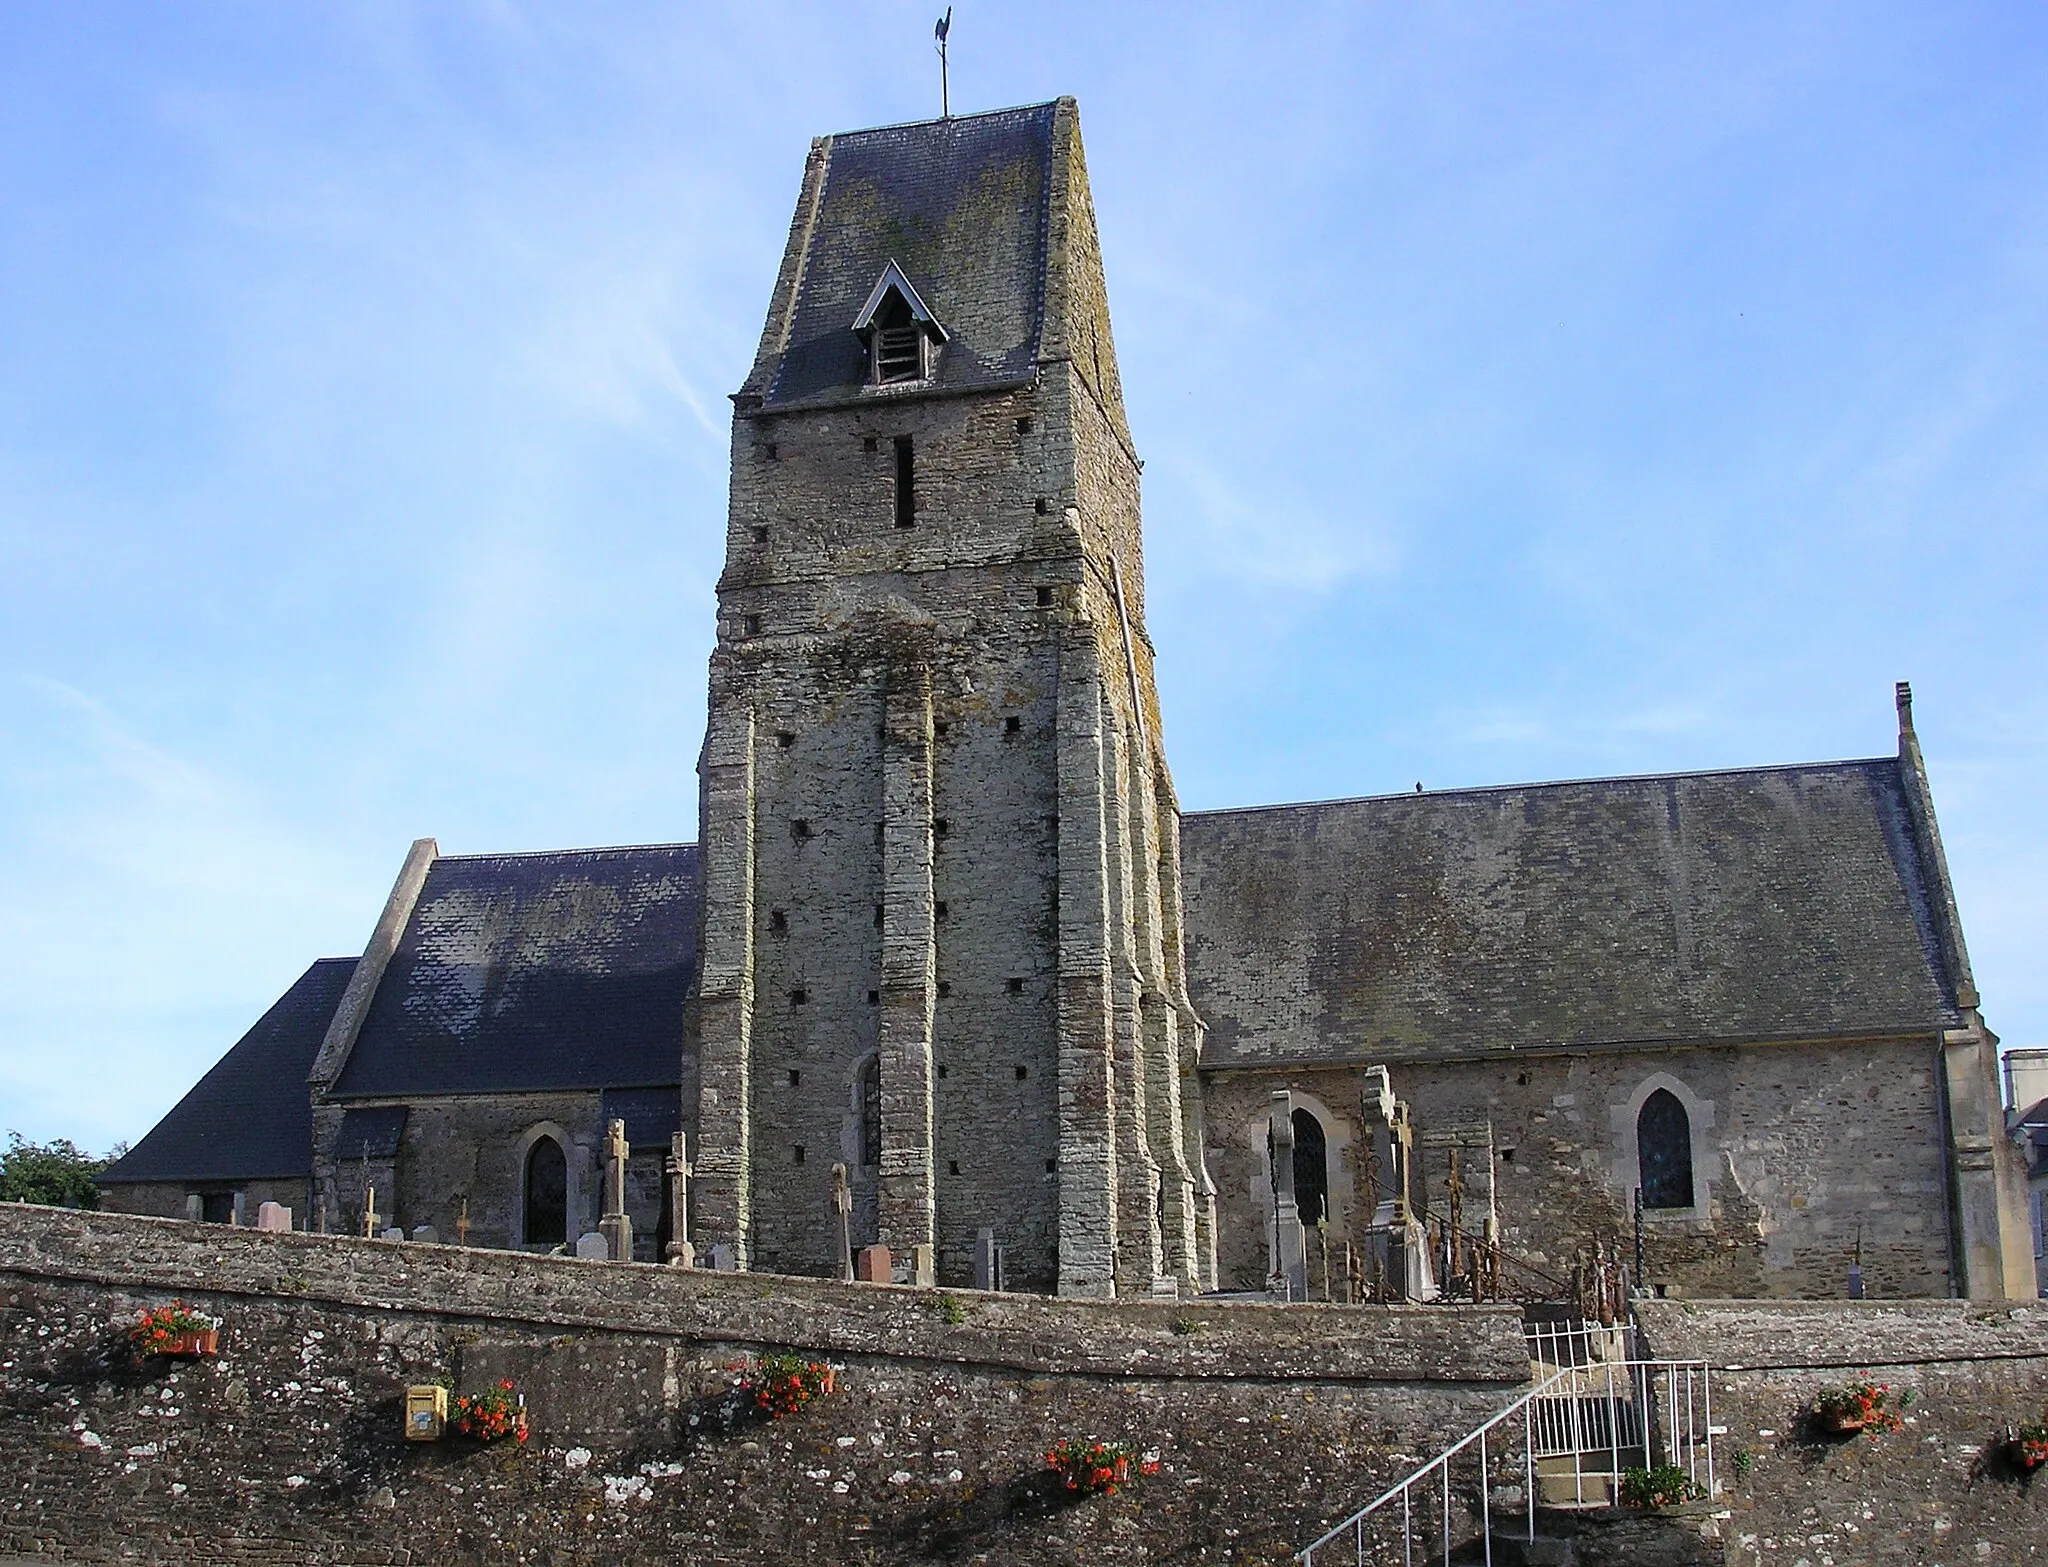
906	482
753	625
778	921
799	997
1016	987
1045	598
799	1153
871	1112
1013	725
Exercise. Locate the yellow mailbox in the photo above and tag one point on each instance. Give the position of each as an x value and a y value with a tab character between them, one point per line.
426	1412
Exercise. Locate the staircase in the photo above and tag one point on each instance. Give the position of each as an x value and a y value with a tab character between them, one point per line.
1556	1455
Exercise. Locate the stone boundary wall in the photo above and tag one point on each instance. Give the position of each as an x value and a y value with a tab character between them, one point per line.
1023	1333
1937	1491
1267	1422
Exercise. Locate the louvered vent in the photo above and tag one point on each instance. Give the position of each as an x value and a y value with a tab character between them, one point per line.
899	354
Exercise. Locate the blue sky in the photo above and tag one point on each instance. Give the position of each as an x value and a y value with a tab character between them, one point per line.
1527	391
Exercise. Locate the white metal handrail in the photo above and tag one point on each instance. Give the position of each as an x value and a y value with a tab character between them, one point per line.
1598	1409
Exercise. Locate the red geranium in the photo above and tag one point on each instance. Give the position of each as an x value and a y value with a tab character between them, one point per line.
495	1412
1090	1466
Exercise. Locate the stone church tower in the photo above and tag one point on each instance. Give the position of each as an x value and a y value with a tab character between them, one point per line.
942	938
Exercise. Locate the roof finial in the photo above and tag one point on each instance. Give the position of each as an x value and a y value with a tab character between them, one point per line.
1902	693
945	26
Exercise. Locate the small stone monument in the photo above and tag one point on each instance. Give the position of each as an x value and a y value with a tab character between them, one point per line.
273	1216
681	1253
369	1213
427	1233
462	1224
723	1258
616	1227
871	1266
924	1269
988	1260
1289	1264
594	1247
842	1218
195	1207
394	1233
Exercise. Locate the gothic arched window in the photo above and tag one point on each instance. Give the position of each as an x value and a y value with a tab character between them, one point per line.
547	1194
871	1113
1311	1169
1664	1151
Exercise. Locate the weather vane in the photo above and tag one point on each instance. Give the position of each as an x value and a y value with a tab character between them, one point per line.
945	26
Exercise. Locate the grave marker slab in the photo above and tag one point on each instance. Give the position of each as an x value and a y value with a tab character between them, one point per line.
872	1265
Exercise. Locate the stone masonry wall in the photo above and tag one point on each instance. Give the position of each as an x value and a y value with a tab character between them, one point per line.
1266	1420
1798	1150
1938	1491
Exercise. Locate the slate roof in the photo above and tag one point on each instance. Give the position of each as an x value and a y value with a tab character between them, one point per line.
529	972
1785	902
961	206
249	1118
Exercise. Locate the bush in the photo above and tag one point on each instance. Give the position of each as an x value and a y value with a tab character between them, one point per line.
58	1172
1665	1486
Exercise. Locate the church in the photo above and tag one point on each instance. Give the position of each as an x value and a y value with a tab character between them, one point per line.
947	948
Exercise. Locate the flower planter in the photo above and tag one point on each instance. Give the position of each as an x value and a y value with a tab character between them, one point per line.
1840	1424
192	1345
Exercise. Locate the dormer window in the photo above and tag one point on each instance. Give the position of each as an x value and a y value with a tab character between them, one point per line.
902	336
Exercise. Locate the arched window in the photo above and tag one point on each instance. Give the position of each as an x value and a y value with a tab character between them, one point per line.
547	1194
1664	1151
1311	1169
871	1113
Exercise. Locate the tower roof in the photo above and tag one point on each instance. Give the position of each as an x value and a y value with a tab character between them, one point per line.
961	207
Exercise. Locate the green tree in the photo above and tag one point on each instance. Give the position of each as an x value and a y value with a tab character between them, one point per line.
58	1172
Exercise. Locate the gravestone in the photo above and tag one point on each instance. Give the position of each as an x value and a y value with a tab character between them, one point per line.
393	1234
591	1245
681	1254
615	1226
427	1233
724	1258
273	1216
924	1270
842	1213
871	1266
988	1260
195	1207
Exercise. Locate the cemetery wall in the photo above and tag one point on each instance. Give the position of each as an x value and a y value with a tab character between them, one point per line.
1938	1490
287	1446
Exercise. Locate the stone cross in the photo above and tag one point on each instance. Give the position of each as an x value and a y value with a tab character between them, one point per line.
615	1226
462	1224
842	1210
681	1254
369	1213
1290	1242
